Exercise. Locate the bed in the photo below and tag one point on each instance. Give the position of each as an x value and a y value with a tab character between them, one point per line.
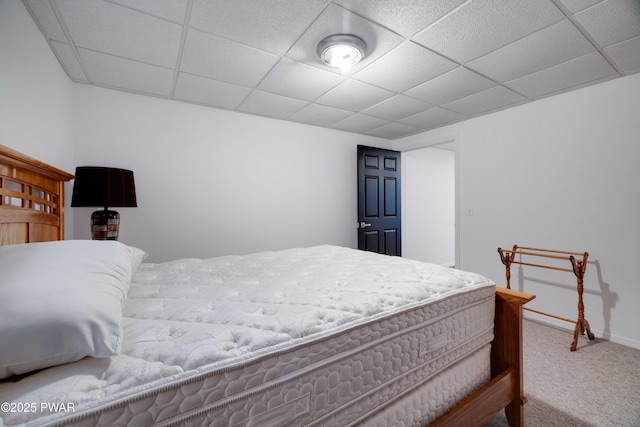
307	336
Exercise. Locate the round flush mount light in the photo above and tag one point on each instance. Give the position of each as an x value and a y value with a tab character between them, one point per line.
342	50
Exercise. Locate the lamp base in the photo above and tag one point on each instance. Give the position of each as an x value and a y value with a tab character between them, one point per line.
105	225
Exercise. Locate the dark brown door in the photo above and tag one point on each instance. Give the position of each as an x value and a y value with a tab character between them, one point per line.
379	200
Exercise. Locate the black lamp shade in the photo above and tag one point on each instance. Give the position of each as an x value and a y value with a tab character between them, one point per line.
100	186
109	187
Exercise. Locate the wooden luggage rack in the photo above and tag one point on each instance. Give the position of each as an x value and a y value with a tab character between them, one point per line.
508	257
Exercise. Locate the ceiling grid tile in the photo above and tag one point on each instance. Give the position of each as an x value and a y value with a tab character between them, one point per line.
427	64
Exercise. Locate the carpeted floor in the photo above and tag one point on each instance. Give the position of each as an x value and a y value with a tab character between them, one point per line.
598	385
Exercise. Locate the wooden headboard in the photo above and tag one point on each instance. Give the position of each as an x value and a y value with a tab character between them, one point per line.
31	199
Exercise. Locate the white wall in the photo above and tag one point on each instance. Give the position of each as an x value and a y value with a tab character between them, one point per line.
212	182
428	205
559	173
35	99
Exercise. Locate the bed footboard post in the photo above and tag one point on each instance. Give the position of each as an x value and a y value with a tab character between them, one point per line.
506	351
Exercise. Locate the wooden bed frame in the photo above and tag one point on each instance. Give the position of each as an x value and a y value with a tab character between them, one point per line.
31	199
31	210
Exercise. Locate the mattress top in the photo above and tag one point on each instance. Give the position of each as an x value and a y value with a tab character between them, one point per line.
194	312
185	317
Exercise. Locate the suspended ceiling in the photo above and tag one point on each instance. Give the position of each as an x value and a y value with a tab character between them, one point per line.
428	64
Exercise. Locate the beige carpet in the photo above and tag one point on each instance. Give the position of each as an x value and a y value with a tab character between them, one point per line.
598	385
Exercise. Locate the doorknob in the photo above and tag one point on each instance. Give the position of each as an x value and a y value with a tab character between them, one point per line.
363	225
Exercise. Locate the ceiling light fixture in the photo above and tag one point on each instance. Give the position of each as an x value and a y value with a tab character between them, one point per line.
342	50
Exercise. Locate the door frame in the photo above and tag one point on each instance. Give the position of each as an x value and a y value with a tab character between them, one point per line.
453	140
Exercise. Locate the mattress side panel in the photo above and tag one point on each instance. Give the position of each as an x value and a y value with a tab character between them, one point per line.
338	383
428	402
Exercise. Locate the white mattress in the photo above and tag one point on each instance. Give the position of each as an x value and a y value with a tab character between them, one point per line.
316	336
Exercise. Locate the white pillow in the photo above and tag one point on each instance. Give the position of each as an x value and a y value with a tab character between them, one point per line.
137	257
62	301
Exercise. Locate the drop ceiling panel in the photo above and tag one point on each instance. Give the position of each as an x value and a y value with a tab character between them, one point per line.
591	67
626	55
225	60
394	131
272	25
419	65
45	16
296	80
488	100
320	115
405	17
353	95
397	107
481	26
270	105
433	117
531	53
200	90
428	63
69	61
612	21
574	6
448	87
359	123
113	71
171	10
118	31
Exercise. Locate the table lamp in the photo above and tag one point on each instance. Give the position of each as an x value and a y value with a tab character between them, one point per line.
108	187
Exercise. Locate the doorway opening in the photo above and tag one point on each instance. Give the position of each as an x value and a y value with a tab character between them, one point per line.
430	202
